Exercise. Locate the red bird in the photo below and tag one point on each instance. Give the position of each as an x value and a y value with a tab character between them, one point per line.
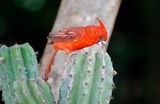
75	38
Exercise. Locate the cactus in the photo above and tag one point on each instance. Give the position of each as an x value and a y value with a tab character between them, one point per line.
19	77
88	78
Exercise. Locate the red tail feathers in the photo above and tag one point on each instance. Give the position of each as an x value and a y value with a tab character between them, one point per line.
48	69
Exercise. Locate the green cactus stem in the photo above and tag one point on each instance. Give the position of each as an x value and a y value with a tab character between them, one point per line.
19	77
88	78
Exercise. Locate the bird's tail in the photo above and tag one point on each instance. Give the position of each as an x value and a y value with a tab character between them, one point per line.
48	69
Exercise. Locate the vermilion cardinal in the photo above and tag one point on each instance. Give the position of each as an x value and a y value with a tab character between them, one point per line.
75	38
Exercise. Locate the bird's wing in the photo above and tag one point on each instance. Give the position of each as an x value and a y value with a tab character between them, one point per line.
67	35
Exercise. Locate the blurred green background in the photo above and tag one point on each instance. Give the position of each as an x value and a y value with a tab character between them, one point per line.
134	45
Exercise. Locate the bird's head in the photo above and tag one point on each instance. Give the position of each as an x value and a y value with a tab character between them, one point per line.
103	30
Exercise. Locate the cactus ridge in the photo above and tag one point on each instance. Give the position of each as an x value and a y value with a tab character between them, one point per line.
19	77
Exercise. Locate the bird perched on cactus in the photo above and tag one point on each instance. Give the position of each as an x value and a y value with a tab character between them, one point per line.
75	38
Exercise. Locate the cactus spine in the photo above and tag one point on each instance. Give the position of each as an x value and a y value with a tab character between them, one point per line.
19	77
88	78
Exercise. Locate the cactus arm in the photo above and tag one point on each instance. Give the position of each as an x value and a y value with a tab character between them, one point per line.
19	76
88	78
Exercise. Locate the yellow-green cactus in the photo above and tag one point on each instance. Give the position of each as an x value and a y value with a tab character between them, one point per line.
19	77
